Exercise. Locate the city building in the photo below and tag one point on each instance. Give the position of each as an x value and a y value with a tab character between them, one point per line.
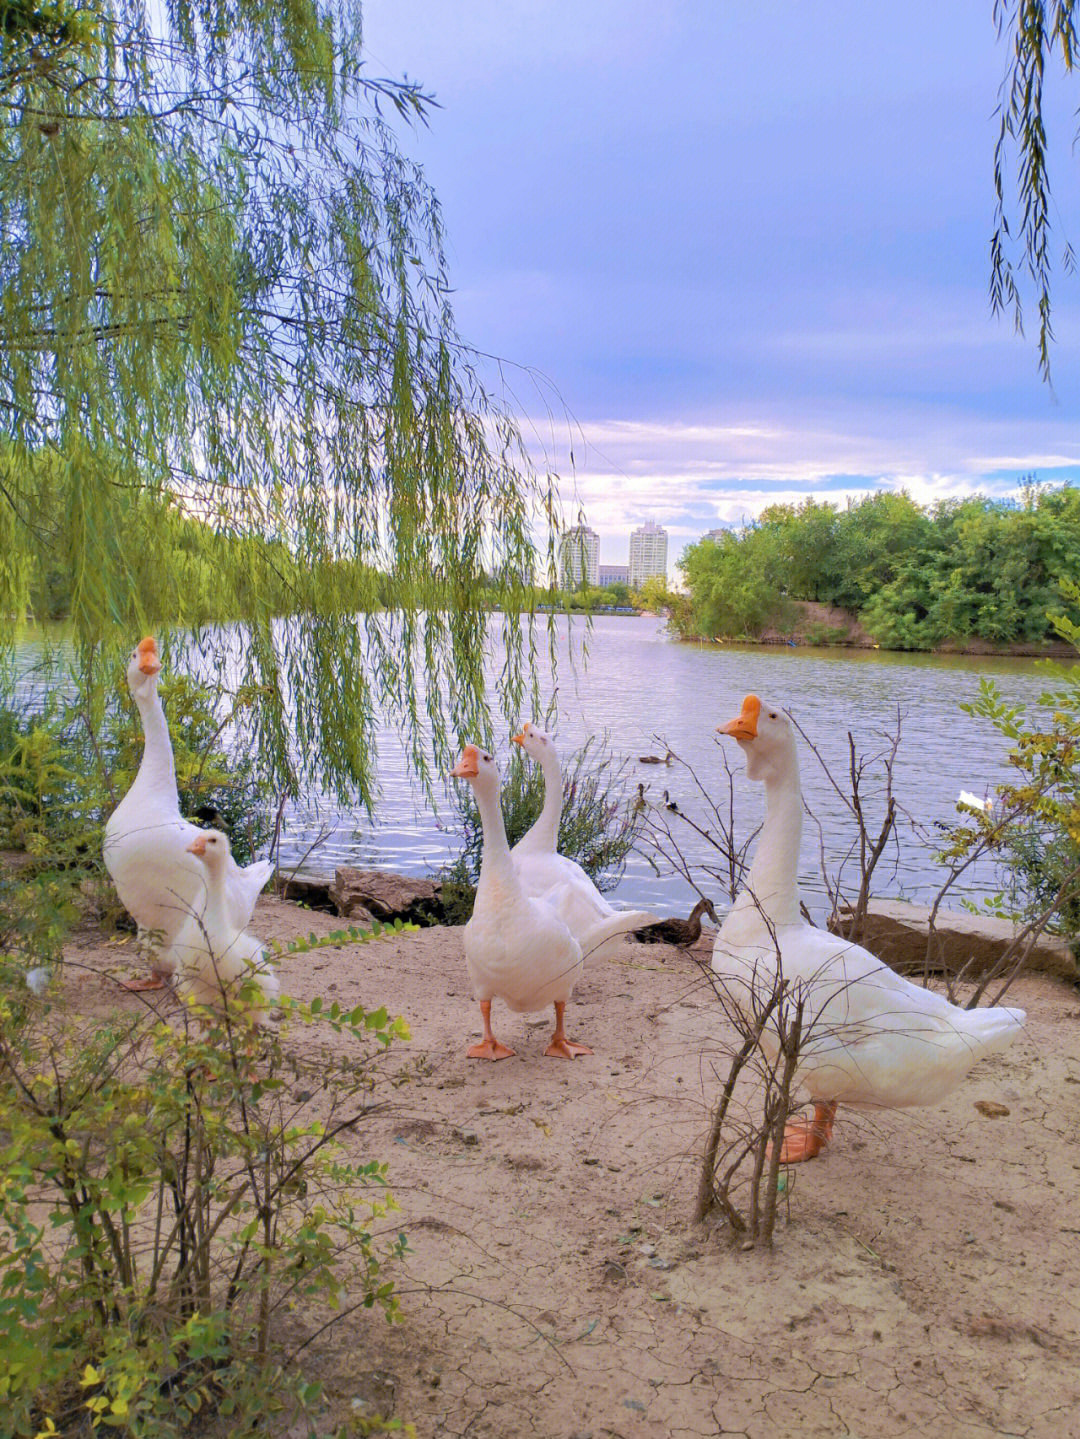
579	557
614	575
715	535
648	554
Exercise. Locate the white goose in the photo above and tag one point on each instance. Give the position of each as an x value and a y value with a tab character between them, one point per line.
146	851
872	1037
212	956
517	948
545	872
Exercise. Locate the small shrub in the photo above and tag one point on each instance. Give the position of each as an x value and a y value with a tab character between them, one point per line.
1034	823
165	1195
740	1169
819	633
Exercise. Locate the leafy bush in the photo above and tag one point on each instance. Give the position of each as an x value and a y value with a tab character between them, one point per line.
1038	844
820	633
1041	864
166	1194
597	827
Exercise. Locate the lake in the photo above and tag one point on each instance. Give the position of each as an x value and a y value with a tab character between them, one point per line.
646	693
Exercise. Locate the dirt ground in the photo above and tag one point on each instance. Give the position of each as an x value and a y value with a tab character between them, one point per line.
923	1281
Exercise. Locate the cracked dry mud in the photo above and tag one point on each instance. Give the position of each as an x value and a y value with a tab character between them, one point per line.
923	1281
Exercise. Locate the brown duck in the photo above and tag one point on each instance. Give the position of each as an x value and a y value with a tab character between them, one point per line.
683	932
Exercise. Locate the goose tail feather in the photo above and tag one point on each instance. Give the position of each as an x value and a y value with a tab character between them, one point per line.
993	1029
621	922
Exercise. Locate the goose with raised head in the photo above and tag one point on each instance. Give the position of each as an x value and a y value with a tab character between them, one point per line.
146	852
213	957
517	948
870	1037
545	872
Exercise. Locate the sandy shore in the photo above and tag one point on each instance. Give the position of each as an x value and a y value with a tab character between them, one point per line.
924	1279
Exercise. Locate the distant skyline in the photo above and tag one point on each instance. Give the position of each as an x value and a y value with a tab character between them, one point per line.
731	256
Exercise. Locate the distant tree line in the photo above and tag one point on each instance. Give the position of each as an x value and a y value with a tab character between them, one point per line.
214	575
914	577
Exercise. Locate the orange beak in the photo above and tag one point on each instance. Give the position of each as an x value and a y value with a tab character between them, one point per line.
148	656
745	726
468	766
520	738
197	846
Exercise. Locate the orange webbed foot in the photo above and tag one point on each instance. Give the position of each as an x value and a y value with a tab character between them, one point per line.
806	1138
489	1049
800	1143
563	1048
149	981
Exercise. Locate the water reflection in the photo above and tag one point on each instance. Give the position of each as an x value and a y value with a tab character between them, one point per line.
646	692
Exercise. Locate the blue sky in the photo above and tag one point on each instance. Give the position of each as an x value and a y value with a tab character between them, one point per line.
737	254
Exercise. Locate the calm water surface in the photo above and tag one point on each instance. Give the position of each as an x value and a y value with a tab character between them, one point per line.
645	691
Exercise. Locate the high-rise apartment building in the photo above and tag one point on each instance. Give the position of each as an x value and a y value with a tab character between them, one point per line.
648	553
579	557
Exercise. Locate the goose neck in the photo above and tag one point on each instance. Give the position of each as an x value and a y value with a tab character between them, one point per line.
773	874
157	768
546	827
496	866
215	916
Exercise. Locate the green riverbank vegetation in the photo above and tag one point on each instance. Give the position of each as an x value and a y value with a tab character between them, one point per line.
912	578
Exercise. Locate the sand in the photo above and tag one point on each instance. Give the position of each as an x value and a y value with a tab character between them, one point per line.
923	1279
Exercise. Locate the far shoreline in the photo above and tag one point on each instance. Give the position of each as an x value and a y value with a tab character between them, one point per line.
975	649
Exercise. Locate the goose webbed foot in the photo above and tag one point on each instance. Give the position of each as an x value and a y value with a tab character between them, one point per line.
561	1047
806	1138
157	979
489	1047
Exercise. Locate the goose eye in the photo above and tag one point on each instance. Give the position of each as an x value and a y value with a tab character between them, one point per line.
772	715
488	758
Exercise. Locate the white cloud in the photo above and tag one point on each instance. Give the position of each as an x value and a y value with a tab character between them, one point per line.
692	476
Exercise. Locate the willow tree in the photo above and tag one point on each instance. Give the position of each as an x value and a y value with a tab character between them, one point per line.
223	293
1040	36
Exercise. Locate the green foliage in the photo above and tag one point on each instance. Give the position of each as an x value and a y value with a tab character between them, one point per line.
231	384
653	594
597	827
211	571
166	1196
822	634
1035	819
734	586
618	594
916	579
